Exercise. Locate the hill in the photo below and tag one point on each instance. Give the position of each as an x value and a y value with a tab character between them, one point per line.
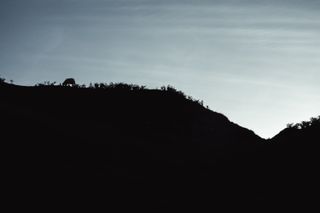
295	157
132	147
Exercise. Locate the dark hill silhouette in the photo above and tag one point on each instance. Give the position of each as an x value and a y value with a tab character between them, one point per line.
295	157
132	147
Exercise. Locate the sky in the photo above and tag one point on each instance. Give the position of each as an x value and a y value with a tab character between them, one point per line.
255	61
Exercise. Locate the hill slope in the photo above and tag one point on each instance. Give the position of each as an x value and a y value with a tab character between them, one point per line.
295	152
135	146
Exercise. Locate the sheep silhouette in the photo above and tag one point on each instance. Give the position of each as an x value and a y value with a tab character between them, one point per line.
69	82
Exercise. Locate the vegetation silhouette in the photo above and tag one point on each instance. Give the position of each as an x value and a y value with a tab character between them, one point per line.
69	82
135	147
314	121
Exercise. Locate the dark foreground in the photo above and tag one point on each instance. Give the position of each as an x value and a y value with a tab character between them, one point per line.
133	148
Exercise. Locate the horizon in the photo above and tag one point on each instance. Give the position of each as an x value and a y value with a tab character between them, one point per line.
254	61
159	88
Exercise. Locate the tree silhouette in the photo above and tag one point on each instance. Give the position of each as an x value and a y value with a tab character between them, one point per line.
315	121
69	82
305	124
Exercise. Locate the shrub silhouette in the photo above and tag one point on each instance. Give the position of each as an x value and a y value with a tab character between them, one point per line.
122	87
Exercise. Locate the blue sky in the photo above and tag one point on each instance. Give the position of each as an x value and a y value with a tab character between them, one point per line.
255	61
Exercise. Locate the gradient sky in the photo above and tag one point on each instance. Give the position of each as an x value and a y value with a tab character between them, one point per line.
257	62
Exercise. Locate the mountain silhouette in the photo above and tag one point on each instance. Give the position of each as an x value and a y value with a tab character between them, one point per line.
157	148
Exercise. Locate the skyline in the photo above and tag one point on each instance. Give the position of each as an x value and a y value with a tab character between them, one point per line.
254	61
